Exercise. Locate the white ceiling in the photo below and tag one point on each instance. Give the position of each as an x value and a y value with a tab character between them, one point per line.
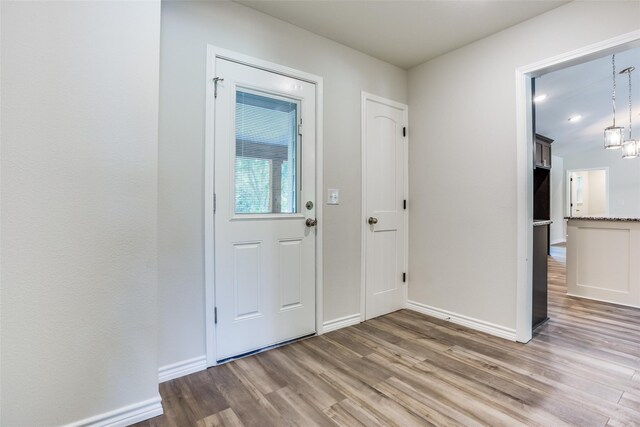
585	89
404	33
408	33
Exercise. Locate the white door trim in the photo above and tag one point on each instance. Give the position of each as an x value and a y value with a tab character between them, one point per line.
214	53
363	238
524	165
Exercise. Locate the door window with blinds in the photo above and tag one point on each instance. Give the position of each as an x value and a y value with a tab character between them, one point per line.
267	146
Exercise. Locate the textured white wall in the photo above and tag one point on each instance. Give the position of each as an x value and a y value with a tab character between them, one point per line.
187	27
463	153
597	193
1	213
79	206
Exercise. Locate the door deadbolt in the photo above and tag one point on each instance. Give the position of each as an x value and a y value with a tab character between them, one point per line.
309	205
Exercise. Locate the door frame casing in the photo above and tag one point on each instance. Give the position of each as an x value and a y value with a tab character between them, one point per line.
214	53
524	164
366	96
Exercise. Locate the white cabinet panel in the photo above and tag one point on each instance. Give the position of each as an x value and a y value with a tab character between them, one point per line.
602	260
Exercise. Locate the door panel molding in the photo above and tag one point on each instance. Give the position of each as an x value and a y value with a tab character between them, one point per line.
214	53
365	97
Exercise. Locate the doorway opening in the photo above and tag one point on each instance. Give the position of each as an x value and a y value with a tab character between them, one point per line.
529	80
587	192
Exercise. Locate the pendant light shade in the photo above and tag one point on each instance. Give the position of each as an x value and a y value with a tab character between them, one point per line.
630	149
629	146
613	135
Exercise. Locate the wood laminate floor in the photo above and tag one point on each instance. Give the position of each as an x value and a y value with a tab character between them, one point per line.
405	369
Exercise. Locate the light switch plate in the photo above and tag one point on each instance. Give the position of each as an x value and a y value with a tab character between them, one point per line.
333	196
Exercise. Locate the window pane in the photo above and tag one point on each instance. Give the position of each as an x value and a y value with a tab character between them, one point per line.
266	157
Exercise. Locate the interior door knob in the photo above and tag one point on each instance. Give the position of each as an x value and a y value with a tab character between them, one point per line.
311	222
372	220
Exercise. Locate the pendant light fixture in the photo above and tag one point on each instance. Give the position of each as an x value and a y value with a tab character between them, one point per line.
629	146
613	135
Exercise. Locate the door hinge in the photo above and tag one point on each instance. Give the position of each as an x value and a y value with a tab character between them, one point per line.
404	204
215	202
404	277
215	315
404	131
300	127
215	86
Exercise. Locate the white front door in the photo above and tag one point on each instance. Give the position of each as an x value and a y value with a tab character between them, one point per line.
384	151
265	192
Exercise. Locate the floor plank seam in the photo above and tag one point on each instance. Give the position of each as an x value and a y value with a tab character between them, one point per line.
408	369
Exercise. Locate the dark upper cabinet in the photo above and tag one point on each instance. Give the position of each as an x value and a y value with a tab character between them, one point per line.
543	152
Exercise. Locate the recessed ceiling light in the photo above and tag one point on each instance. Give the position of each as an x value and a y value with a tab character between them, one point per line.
540	98
575	118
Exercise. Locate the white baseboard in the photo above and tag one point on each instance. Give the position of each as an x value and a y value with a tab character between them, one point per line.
124	416
602	300
459	319
180	369
341	322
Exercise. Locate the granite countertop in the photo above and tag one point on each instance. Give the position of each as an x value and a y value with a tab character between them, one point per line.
602	218
537	222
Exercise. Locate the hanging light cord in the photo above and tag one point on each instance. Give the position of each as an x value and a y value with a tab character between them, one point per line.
613	94
630	106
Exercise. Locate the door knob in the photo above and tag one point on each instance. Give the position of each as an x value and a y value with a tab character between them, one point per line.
311	222
372	220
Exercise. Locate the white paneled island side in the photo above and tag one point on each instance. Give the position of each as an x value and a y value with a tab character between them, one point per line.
603	259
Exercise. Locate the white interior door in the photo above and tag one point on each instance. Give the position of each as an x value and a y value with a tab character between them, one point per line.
384	151
265	193
579	193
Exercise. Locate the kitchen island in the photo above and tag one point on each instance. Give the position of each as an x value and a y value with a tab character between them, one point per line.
603	259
